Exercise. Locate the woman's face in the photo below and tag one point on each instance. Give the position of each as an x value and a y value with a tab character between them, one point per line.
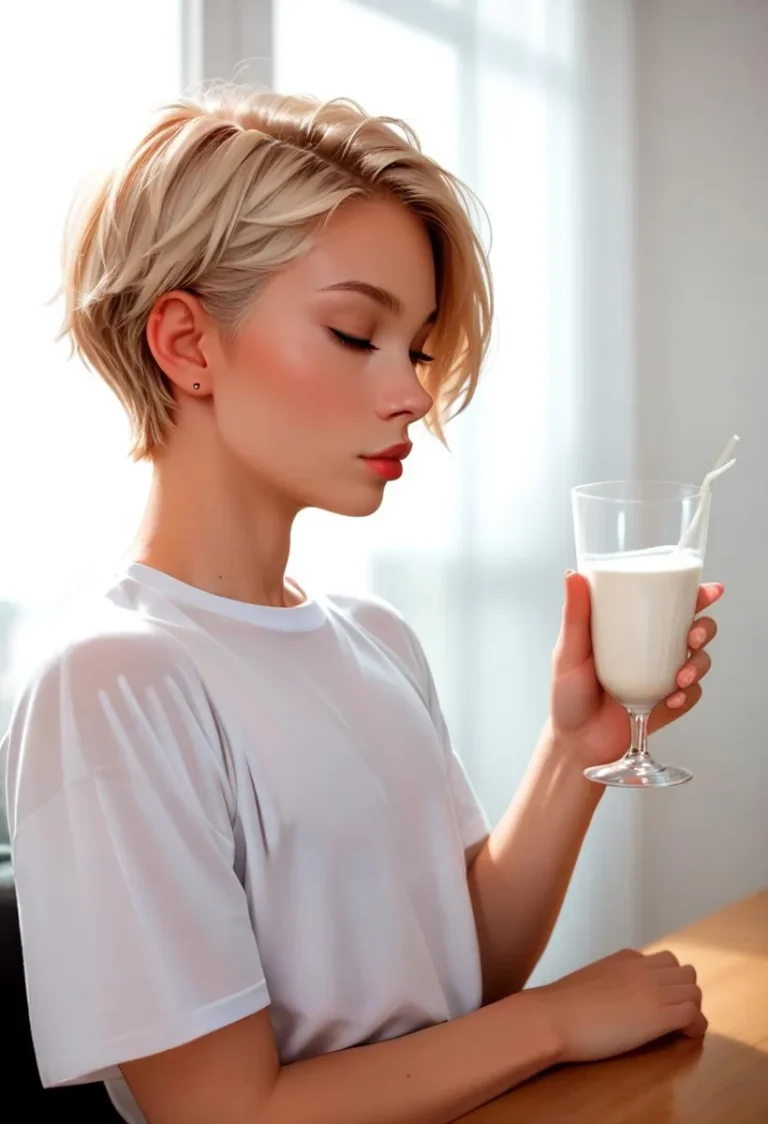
323	372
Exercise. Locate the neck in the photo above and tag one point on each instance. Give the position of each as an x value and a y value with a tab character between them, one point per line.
214	526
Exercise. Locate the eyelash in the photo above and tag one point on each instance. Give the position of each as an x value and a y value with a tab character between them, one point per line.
355	343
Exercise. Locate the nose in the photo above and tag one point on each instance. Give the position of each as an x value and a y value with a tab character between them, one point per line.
404	394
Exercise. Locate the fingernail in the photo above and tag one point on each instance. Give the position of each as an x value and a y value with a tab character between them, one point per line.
698	636
569	574
676	700
686	677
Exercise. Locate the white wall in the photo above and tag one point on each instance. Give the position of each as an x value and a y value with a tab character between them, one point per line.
701	72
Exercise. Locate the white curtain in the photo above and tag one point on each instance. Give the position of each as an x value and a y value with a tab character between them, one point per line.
529	101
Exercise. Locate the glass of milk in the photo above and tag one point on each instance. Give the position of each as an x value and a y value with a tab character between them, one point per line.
644	590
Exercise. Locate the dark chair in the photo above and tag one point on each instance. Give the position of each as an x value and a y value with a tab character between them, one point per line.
19	1078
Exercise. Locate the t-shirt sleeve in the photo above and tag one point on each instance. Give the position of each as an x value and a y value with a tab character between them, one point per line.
473	822
136	930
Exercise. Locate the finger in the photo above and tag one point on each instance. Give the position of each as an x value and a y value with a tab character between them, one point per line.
679	703
703	631
696	668
686	974
708	594
665	959
574	644
673	708
629	954
688	1018
683	993
698	1027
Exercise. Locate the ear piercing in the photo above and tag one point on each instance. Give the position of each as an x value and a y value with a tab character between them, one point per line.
195	385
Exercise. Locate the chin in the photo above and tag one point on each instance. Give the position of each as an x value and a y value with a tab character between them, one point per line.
363	501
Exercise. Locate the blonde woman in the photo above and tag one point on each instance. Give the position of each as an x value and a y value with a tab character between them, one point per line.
254	881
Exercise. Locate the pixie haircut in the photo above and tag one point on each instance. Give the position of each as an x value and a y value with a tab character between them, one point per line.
224	189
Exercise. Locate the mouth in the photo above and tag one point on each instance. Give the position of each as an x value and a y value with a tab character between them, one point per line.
389	464
388	468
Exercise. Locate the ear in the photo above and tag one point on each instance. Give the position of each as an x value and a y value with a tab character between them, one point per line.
179	336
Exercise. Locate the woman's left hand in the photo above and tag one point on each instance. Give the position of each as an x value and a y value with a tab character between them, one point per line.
587	722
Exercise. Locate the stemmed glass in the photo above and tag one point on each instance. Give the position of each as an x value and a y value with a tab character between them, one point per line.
644	589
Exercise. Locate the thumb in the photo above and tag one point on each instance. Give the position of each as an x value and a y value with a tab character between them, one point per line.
574	645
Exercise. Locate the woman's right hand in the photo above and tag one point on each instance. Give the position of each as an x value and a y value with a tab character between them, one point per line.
623	1002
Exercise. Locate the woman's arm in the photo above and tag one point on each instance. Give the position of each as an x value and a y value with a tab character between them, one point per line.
519	877
433	1076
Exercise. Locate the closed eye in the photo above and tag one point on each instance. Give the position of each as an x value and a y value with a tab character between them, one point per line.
358	343
355	342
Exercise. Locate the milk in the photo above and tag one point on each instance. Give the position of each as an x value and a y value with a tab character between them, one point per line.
643	605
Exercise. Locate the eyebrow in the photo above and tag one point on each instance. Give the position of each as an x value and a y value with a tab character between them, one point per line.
373	292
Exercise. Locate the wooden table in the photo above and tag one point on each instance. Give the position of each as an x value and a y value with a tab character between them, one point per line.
723	1080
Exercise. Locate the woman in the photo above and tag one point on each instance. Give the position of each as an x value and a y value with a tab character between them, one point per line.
242	842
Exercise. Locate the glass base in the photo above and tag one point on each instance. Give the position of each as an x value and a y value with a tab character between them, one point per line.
634	771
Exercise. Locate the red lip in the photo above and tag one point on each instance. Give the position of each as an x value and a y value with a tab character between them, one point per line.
388	468
389	463
395	452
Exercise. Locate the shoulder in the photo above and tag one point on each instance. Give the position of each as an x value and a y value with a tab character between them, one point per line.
106	643
385	624
117	697
115	664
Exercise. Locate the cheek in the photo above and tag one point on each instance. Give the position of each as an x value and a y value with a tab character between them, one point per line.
284	385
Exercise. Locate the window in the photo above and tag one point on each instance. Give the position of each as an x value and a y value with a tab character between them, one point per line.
77	83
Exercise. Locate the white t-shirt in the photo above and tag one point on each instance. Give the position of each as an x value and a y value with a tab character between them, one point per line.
217	807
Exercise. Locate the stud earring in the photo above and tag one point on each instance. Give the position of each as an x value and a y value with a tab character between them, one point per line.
195	385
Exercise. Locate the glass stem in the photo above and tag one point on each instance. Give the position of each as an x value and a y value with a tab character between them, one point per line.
638	751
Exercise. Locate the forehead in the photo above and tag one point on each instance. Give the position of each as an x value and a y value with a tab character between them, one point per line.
378	242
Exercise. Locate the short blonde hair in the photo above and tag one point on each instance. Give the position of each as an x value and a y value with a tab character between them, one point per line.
225	188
